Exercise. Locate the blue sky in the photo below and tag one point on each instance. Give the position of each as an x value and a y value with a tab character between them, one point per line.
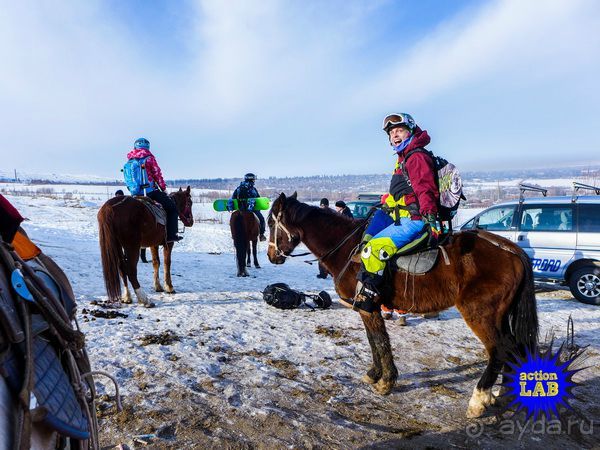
286	88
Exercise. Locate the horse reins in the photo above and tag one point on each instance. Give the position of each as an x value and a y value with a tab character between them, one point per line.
279	224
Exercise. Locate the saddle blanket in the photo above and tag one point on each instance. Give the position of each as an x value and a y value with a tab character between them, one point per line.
157	211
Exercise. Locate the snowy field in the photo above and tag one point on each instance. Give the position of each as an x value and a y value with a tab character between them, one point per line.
213	367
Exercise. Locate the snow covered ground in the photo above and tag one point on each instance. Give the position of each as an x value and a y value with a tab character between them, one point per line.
213	366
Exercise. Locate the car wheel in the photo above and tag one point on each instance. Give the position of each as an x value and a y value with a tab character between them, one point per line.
585	285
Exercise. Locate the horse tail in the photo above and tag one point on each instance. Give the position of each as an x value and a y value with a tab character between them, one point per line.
522	314
240	240
110	252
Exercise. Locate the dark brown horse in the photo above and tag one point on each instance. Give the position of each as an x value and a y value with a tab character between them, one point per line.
488	279
244	231
125	225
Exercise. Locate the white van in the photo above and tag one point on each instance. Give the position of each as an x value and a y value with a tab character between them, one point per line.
561	235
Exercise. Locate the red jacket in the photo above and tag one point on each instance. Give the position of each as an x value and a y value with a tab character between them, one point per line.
10	219
420	171
154	172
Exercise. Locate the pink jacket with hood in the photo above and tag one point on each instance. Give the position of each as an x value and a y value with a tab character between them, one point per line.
154	172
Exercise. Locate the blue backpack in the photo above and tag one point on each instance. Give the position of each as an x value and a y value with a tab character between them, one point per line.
136	177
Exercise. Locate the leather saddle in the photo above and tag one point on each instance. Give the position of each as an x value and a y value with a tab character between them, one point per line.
155	208
53	400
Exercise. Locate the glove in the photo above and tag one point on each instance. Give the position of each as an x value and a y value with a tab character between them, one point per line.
251	202
230	205
430	221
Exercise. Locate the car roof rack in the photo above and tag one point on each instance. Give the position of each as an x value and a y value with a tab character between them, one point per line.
368	196
527	187
586	187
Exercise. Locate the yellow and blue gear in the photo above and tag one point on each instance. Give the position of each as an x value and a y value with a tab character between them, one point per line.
389	236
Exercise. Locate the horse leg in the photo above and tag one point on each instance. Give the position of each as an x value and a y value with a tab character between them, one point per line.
126	297
254	244
485	329
156	267
132	255
248	255
167	250
383	373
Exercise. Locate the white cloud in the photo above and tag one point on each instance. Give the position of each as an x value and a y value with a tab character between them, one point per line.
512	41
75	80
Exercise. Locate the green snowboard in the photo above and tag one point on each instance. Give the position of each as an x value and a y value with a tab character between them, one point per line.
260	204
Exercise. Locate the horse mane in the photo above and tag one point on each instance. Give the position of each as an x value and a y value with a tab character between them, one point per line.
299	212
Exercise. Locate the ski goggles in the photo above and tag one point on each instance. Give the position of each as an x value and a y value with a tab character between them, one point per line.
393	120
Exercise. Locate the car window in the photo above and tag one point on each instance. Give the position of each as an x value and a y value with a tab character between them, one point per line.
547	218
589	218
497	219
468	225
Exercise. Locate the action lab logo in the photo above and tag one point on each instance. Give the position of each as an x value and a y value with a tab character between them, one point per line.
540	384
545	265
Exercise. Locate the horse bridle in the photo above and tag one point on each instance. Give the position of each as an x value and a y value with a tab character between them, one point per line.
183	214
279	224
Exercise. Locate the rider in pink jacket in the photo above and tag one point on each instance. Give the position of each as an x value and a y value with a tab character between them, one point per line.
154	172
157	189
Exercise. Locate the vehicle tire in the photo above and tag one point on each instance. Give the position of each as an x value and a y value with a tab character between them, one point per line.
585	285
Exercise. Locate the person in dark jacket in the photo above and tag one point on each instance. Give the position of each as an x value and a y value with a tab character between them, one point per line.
341	208
245	191
410	209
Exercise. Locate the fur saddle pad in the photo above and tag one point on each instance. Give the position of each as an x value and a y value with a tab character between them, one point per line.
157	211
417	263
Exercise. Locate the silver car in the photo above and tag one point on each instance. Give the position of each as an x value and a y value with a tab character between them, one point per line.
561	235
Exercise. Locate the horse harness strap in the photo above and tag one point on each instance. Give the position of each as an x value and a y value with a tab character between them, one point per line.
43	357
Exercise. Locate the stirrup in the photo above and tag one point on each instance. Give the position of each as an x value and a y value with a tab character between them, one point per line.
364	300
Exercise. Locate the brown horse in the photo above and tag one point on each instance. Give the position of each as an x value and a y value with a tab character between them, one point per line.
125	225
488	279
244	231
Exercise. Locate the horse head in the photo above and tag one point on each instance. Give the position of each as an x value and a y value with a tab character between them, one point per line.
183	202
284	237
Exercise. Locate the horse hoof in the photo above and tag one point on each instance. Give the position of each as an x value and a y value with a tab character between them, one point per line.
248	265
257	266
478	402
473	412
171	291
383	387
126	301
367	379
158	289
149	305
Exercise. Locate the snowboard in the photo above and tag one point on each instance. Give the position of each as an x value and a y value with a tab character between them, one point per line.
260	204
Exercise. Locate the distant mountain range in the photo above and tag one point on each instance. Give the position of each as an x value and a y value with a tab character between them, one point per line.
343	186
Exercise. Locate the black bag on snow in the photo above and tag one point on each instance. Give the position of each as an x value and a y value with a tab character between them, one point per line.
281	296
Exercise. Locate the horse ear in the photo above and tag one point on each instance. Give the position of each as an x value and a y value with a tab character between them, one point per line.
188	189
180	189
294	195
282	197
